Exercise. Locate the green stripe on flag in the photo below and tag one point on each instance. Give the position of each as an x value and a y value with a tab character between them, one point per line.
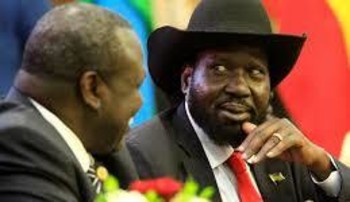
86	1
144	8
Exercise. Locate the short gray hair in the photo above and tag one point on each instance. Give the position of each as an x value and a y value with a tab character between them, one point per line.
72	37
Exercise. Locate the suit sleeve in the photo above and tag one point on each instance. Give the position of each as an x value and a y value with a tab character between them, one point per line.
344	194
29	168
307	189
344	171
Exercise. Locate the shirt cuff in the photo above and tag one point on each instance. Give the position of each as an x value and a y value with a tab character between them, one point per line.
332	184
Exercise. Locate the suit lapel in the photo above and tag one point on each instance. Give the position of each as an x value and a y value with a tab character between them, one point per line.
274	180
51	134
192	153
84	185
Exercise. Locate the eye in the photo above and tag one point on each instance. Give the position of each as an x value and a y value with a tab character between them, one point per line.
219	68
257	72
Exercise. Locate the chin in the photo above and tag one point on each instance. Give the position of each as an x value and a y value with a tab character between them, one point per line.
225	134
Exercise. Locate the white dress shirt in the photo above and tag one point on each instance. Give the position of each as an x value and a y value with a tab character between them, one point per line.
218	155
73	142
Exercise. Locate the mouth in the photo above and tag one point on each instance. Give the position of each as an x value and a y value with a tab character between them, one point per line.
234	112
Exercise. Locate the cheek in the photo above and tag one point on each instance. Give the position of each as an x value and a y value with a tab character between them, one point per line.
199	96
262	97
205	92
130	105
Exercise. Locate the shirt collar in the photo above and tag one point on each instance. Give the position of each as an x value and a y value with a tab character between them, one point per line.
67	134
216	154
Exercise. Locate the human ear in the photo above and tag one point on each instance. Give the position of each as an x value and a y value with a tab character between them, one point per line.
90	86
186	77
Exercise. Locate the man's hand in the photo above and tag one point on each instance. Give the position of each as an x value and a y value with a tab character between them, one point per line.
280	138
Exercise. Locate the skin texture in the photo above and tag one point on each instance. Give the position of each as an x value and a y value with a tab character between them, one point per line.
226	88
118	95
228	92
123	98
86	68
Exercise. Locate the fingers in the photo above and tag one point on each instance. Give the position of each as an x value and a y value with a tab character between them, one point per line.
289	140
248	127
252	131
265	150
256	137
268	140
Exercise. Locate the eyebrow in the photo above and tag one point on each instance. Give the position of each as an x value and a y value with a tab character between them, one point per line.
259	62
254	59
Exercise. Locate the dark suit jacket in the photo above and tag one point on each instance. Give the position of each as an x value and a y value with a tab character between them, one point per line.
35	162
168	146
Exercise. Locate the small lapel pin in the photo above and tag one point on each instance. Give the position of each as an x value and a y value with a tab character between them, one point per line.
276	177
101	173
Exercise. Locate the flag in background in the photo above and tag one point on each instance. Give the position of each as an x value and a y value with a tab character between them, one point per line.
317	92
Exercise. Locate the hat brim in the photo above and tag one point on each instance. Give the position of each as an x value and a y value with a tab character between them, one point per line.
169	48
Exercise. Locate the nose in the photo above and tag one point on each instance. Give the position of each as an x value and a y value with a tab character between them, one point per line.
237	85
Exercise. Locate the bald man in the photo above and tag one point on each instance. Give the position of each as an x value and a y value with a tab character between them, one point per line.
73	97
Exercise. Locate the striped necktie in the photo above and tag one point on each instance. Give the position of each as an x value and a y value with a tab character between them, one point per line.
96	182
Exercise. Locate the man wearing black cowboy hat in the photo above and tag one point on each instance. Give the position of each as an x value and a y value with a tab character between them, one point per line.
219	73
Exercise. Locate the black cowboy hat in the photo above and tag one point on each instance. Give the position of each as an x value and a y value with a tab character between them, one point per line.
218	23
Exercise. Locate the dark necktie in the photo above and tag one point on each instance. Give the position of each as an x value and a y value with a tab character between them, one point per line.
246	189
